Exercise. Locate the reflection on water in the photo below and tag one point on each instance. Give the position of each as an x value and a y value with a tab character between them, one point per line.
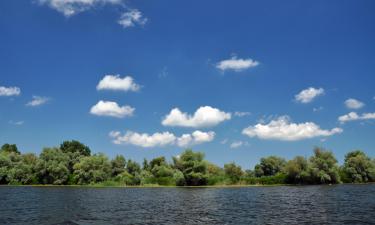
341	204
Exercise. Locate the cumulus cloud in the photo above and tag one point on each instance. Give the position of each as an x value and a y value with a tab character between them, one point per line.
205	116
116	83
236	64
353	116
197	137
143	140
107	108
132	18
241	114
157	139
38	100
309	94
9	91
282	129
72	7
352	103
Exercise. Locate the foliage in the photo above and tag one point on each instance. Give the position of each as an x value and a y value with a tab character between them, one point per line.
9	148
75	150
269	166
52	167
358	167
193	167
233	172
324	168
92	169
73	163
297	170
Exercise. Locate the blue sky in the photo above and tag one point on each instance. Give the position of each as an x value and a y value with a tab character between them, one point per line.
238	80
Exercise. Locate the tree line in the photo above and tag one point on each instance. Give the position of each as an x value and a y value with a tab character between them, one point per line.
72	163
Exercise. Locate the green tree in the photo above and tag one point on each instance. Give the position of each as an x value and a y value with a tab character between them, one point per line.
132	175
118	165
8	148
358	167
297	170
92	169
233	172
193	166
52	167
269	166
324	168
75	150
5	166
24	170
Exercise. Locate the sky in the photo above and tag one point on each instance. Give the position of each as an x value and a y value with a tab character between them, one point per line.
237	80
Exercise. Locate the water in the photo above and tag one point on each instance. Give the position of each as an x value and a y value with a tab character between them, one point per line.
340	204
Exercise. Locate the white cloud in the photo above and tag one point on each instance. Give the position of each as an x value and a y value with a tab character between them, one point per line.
353	116
236	144
107	108
352	103
72	7
236	64
116	83
307	95
317	109
241	114
9	91
38	100
282	129
223	142
161	139
205	116
197	137
132	18
143	140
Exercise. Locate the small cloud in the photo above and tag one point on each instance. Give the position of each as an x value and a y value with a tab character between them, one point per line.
132	18
309	94
161	139
282	129
205	116
116	83
352	103
9	91
72	7
112	109
223	142
353	116
318	109
163	73
236	64
197	137
16	123
241	114
37	101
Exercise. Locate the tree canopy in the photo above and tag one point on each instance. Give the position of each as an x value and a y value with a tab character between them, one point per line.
72	163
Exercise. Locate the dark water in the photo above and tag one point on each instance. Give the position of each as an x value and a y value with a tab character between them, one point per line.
341	204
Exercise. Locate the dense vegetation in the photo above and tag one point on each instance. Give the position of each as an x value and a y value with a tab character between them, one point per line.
73	163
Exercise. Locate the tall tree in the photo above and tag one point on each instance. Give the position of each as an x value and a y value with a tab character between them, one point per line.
193	166
75	150
324	168
8	148
269	166
52	167
358	167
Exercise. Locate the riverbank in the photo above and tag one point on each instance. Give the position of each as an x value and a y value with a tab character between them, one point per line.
169	186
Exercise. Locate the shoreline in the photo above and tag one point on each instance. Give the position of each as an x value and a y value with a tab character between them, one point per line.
165	186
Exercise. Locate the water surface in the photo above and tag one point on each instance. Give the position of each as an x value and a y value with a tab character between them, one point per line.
337	204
